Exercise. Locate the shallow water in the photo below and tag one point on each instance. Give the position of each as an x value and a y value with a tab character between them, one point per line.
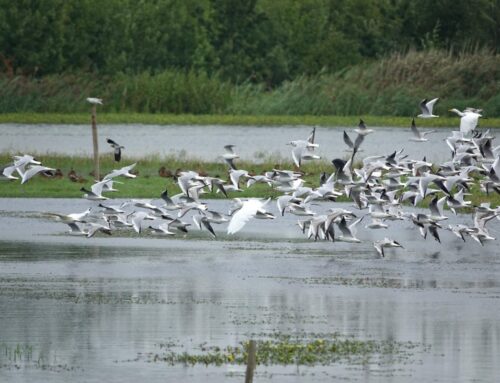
90	310
207	142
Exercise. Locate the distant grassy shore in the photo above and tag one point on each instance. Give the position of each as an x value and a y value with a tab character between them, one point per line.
149	184
244	120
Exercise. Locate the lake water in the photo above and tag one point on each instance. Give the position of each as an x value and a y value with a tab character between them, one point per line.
207	142
91	310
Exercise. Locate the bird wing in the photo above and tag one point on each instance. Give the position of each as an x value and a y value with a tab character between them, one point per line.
310	139
73	227
344	229
32	172
229	148
243	215
282	203
434	233
434	208
352	226
348	140
235	177
414	129
209	227
97	187
358	141
111	142
197	220
468	123
8	170
430	105
297	155
380	249
423	107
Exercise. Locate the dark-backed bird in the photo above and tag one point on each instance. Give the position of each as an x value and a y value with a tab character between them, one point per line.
117	147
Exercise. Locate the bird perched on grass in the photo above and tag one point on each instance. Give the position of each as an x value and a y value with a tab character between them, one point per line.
117	147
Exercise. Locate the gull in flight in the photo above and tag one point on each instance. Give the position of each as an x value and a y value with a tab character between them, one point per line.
386	242
251	208
118	149
95	192
362	130
418	135
349	232
31	172
469	119
303	149
229	156
354	146
6	173
70	218
426	107
125	171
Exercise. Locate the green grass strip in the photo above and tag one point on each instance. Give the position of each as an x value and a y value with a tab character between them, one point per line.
214	119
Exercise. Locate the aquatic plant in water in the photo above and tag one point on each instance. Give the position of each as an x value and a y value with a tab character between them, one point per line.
287	350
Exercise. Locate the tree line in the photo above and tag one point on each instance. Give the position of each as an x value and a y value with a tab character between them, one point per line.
256	41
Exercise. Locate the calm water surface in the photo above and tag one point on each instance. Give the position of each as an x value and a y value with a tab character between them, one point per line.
207	142
90	310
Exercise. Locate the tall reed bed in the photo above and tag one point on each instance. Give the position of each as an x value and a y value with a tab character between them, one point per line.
391	86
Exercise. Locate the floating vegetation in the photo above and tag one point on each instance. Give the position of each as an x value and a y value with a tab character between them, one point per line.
287	350
19	356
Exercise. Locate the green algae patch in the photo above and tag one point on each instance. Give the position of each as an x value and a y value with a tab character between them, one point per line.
288	350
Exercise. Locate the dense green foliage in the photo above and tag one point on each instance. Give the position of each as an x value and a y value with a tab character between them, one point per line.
392	86
280	57
256	40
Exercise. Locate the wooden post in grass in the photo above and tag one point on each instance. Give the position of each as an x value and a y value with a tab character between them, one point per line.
95	143
251	361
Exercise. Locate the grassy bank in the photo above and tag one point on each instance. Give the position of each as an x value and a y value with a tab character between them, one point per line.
149	184
392	86
215	119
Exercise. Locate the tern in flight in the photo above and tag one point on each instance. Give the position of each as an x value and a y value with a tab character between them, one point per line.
426	107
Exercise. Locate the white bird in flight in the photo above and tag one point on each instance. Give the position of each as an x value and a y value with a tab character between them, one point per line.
249	209
386	242
426	107
418	135
469	119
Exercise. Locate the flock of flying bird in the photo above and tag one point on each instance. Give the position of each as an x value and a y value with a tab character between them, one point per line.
380	187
